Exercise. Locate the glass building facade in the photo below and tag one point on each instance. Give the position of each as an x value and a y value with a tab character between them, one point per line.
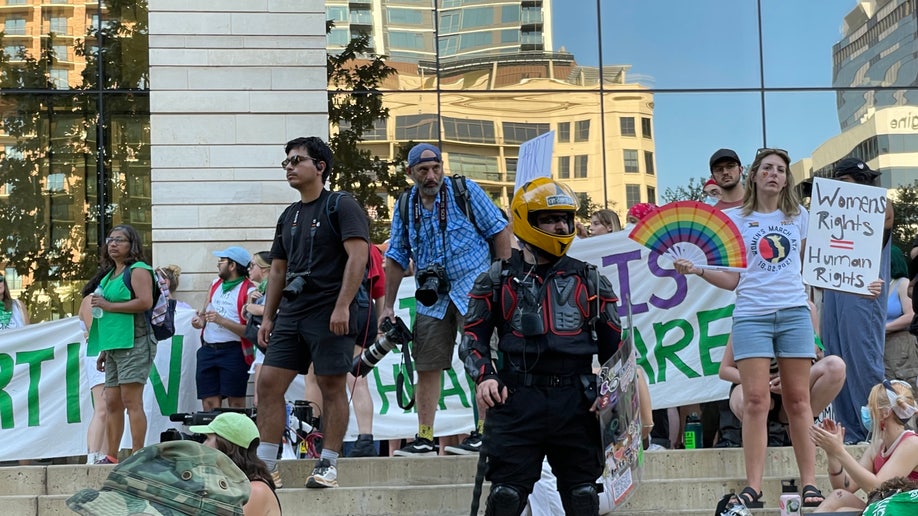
637	96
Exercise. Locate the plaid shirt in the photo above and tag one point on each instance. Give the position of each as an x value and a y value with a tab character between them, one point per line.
461	250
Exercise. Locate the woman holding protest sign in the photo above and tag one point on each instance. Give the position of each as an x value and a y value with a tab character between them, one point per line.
121	334
771	318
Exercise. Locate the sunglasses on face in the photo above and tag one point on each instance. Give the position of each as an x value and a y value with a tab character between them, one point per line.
296	160
116	240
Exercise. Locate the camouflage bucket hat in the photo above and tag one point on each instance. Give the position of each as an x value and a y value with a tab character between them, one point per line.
168	479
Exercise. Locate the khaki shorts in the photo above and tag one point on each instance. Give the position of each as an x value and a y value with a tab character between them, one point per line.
130	365
434	339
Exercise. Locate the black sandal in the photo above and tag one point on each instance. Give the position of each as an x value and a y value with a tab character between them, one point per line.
750	498
810	492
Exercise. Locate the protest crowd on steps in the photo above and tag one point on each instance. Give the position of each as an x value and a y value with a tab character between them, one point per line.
505	293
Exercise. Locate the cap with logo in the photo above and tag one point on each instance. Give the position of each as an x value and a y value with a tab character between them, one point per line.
854	167
235	253
414	155
169	479
723	154
235	427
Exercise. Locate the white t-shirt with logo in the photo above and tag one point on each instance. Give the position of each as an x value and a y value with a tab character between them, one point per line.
773	280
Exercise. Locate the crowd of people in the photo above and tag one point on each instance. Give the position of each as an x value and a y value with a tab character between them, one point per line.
531	322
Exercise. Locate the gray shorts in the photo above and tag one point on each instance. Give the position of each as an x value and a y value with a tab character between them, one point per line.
130	365
434	339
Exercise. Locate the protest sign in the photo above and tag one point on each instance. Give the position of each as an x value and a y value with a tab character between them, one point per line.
534	159
845	236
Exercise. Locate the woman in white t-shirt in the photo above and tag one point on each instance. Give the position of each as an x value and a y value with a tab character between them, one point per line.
12	312
771	318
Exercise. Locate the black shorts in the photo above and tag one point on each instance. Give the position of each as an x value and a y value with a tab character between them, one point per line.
297	342
366	325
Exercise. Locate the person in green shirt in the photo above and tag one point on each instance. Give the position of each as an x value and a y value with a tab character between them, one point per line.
122	336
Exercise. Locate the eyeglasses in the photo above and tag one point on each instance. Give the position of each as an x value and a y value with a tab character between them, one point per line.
726	166
253	265
116	240
770	150
222	260
296	160
544	220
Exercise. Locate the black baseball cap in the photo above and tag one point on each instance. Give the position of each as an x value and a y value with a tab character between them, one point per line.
721	155
854	167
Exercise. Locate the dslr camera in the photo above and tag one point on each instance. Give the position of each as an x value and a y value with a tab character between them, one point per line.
196	418
393	334
296	282
433	282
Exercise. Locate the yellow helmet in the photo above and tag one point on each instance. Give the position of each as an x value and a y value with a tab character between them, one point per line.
543	194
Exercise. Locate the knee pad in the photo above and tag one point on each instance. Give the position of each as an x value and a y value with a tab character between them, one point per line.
505	500
581	499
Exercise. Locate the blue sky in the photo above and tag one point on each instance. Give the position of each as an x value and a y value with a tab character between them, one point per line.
678	45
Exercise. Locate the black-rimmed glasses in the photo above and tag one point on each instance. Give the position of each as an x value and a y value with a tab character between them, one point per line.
296	160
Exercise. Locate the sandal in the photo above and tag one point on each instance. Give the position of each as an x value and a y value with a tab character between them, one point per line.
812	496
750	498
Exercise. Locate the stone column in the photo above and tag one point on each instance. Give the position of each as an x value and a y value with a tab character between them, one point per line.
231	81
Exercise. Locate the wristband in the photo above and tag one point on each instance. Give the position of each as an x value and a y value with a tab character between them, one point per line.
702	273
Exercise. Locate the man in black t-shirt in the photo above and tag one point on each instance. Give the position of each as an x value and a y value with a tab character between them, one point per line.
319	258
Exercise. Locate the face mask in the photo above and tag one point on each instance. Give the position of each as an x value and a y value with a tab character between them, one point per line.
866	420
710	200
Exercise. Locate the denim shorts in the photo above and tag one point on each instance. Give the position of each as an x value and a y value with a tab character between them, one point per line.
787	333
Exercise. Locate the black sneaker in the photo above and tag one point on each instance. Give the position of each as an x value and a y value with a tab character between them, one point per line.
469	446
363	447
420	447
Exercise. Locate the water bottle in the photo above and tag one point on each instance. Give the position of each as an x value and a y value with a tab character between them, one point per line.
692	437
789	503
97	311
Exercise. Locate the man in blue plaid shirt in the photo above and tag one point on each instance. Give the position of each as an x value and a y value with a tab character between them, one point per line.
449	252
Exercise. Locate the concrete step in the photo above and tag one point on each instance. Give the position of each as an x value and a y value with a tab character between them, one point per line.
673	482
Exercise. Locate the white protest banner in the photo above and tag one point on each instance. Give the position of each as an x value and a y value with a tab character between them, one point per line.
534	159
42	406
681	323
845	236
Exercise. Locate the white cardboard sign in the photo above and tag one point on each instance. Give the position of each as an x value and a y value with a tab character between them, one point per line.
845	236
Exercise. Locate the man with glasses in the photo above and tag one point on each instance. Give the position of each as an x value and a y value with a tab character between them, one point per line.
728	174
449	252
224	357
318	261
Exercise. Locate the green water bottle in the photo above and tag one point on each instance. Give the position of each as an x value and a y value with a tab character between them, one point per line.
692	438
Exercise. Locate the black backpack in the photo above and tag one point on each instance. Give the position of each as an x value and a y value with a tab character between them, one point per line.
163	324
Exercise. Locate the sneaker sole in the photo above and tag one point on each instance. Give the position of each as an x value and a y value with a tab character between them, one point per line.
314	482
400	453
452	450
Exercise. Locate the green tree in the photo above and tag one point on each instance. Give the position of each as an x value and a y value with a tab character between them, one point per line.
905	227
355	107
691	191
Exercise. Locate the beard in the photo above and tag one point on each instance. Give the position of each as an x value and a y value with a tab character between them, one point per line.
431	189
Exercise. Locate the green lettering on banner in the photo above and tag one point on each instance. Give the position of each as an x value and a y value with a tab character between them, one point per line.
708	342
641	350
410	304
34	359
455	390
383	389
670	353
6	401
167	399
72	380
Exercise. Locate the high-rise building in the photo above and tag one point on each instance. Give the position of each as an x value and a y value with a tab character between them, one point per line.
494	81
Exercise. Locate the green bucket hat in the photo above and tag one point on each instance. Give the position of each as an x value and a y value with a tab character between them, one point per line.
168	479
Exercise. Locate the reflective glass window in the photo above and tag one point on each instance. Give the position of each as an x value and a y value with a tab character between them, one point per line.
631	160
632	195
564	167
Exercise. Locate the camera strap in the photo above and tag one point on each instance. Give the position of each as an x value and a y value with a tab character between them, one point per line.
405	376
